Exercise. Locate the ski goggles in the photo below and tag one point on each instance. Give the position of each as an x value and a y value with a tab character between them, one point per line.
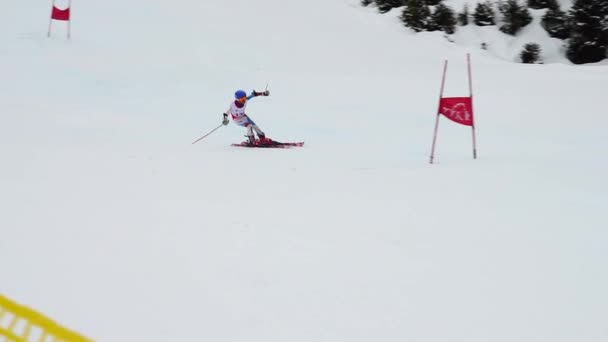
242	99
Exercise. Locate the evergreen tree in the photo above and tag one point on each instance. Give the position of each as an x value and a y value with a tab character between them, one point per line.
416	15
433	2
367	2
443	19
484	14
556	23
589	34
530	53
540	4
515	16
387	5
463	17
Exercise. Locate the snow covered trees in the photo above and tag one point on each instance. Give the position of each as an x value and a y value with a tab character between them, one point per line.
588	41
416	15
540	4
419	15
384	5
443	19
556	23
530	54
463	17
515	16
484	14
584	27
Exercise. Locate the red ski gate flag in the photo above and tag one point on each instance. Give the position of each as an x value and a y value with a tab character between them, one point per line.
457	109
60	14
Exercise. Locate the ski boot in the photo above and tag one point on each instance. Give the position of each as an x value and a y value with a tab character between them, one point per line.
263	140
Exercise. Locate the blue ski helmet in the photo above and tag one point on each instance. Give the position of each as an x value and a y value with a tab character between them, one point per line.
240	93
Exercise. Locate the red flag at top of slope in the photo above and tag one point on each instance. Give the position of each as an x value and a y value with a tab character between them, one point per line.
60	14
457	109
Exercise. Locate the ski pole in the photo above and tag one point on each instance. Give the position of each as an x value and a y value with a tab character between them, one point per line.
204	136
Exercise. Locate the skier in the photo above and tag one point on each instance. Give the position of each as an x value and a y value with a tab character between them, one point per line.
237	112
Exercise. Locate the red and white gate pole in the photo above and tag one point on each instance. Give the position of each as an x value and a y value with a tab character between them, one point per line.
61	15
445	69
473	117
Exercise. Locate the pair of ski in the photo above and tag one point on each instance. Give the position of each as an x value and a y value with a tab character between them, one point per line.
269	144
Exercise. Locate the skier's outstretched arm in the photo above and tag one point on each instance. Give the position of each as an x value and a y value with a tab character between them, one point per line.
258	93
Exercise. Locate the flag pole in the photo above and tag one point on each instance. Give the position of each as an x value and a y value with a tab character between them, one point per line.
472	111
50	19
445	68
69	18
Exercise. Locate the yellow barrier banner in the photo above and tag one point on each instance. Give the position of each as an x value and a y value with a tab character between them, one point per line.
19	323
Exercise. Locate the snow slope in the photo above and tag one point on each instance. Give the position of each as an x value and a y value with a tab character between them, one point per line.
114	224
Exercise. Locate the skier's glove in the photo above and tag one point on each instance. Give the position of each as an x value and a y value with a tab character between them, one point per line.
225	121
266	93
